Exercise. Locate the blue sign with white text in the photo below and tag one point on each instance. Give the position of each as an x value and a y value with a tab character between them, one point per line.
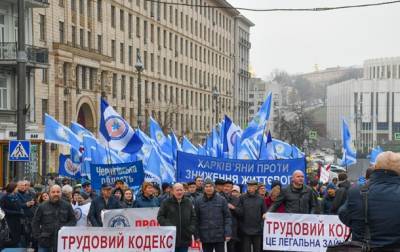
19	150
238	171
131	173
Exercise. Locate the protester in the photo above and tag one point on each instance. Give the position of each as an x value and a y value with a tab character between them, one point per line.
314	185
27	201
128	201
156	190
178	211
118	193
383	201
297	197
42	197
252	210
65	181
219	185
119	184
213	220
87	187
146	198
103	202
233	202
11	205
67	193
261	190
276	188
75	198
341	193
49	218
327	202
235	191
166	192
192	191
81	209
199	184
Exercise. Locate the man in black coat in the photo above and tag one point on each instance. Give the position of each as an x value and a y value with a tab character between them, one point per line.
233	202
178	211
213	220
341	194
297	197
252	211
105	201
383	205
49	218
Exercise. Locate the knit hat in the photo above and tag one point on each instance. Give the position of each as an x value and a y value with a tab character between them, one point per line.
208	182
236	188
276	183
331	186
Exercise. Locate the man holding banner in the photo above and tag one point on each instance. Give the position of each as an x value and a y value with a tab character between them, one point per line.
178	211
105	201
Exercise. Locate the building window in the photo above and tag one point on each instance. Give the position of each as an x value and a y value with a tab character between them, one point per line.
152	62
121	53
73	31
42	27
138	27
89	8
65	73
130	55
112	16
123	87
145	32
81	7
145	60
99	10
113	52
92	77
152	33
45	108
99	43
65	113
114	86
131	87
4	94
61	3
61	31
45	76
121	20
73	5
81	38
89	39
130	20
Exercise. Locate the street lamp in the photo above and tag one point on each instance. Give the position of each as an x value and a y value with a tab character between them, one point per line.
139	68
215	95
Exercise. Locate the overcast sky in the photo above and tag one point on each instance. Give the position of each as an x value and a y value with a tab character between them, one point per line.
297	41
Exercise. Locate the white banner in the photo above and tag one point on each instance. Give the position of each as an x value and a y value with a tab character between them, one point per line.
324	174
302	232
136	217
97	239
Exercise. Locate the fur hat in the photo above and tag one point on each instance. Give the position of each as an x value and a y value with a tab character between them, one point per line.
388	161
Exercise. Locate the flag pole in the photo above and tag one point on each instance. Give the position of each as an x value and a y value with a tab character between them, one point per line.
262	140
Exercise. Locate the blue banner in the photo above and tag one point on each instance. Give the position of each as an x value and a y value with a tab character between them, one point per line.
67	168
238	171
131	173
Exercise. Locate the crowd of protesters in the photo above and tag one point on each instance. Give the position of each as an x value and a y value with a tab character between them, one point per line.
213	212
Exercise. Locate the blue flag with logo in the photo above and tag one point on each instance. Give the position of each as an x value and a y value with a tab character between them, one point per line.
55	132
67	168
349	154
158	136
188	147
115	131
230	132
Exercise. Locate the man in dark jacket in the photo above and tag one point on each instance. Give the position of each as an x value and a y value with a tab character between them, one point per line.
199	184
328	199
252	211
105	201
27	202
213	220
383	205
297	197
49	218
192	193
178	211
147	198
87	187
341	194
233	202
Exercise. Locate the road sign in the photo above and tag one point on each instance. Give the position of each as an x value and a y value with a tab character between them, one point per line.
312	135
19	150
397	136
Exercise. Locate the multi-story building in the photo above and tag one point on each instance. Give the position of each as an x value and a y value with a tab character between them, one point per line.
241	72
187	54
258	91
371	105
37	61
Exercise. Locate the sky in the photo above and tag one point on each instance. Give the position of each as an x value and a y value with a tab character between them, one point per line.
298	41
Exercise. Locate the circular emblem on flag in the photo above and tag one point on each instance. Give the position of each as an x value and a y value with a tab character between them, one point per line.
78	213
279	148
116	127
119	221
70	167
233	137
159	136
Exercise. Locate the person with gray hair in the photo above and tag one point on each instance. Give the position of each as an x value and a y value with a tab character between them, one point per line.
67	193
297	197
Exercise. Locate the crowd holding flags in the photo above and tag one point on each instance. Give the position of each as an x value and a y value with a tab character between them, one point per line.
119	143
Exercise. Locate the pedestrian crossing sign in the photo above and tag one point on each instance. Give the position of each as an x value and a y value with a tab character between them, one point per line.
19	150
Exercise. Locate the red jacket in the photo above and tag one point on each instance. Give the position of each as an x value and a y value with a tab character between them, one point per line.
268	201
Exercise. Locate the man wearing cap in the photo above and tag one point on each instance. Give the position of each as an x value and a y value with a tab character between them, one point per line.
213	220
251	209
233	202
297	197
104	201
87	188
328	199
383	200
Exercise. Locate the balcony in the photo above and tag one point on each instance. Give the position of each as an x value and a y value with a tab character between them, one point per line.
37	3
37	56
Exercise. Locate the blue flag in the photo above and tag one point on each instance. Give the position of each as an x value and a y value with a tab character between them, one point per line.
158	136
176	146
349	154
246	151
115	131
188	147
282	149
67	168
80	131
267	149
230	132
57	133
374	154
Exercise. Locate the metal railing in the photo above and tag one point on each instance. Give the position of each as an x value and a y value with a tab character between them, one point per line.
8	51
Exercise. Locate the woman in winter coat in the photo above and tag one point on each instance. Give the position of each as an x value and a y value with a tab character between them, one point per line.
14	213
128	201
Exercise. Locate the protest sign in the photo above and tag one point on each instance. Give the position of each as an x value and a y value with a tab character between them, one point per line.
302	232
98	239
136	217
131	173
238	171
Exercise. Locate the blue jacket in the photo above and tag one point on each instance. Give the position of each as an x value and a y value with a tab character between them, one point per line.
327	204
99	204
383	210
143	201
